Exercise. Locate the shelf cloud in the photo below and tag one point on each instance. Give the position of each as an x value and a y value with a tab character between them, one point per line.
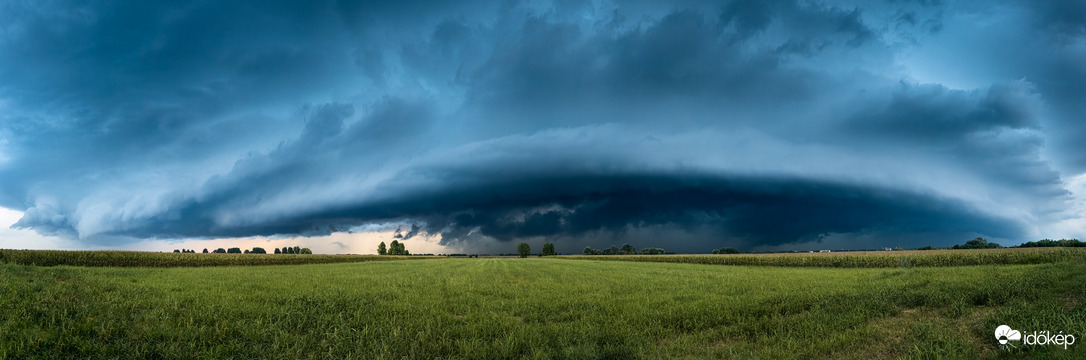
739	123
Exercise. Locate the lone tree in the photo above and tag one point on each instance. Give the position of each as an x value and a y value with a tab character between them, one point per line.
205	250
548	250
381	249
524	250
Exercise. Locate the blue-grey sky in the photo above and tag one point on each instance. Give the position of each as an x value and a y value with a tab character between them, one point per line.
472	125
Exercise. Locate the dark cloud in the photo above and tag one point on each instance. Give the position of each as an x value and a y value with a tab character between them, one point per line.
737	211
409	234
933	113
743	211
751	124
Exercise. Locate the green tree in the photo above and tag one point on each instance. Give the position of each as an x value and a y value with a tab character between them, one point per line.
628	249
176	251
205	250
381	249
233	250
277	251
548	250
258	250
306	251
394	248
220	251
652	251
297	250
588	250
726	251
524	250
978	243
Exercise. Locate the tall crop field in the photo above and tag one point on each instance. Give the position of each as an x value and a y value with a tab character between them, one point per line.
869	259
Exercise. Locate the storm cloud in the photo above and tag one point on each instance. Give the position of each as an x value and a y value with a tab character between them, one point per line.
748	124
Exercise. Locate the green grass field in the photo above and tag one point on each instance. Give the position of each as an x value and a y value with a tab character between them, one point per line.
535	308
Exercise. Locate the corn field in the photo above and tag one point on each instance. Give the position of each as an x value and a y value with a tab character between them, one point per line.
870	259
150	259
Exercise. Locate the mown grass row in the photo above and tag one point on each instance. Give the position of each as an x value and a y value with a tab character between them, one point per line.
870	259
150	259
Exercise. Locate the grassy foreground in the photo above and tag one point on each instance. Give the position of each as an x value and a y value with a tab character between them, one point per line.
534	308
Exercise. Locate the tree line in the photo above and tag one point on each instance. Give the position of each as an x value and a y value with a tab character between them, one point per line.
255	250
982	243
626	249
395	248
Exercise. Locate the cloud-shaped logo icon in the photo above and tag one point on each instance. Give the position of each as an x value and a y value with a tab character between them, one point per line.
1004	333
